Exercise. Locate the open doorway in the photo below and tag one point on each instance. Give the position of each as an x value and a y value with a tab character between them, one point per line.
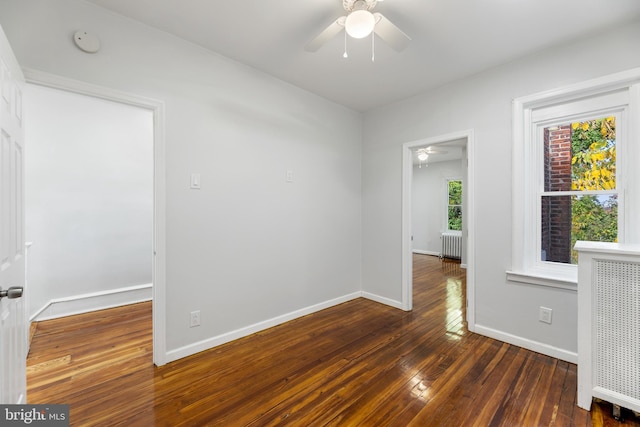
430	167
151	178
89	203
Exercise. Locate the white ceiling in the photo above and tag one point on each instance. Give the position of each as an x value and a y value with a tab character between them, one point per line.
451	39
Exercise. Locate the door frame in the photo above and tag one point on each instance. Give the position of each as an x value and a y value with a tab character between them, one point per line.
159	187
468	212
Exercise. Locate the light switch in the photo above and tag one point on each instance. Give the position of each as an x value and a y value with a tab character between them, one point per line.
195	181
289	176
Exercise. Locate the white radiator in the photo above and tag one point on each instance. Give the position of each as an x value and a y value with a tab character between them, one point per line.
451	245
609	324
616	288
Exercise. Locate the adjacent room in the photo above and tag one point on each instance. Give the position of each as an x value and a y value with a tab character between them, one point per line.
329	212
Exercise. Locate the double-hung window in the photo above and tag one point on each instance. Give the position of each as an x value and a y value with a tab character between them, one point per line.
573	176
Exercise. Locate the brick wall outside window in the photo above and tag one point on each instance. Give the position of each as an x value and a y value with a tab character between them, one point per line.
556	211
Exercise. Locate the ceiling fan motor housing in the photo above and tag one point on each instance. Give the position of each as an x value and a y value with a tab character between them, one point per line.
351	5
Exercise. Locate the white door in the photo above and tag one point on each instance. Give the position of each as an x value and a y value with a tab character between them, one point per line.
13	317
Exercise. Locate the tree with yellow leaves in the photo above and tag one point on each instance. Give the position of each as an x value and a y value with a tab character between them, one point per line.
594	155
593	167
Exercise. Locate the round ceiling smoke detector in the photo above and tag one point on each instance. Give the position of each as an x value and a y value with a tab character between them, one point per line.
86	42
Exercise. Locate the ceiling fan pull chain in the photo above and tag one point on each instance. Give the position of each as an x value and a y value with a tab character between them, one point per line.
345	45
373	46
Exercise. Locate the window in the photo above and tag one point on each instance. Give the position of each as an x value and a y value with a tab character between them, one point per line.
579	199
454	204
572	178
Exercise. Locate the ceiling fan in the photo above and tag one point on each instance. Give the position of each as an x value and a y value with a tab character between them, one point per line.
424	153
360	22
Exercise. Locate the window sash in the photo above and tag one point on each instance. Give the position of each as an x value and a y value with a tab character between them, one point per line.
578	111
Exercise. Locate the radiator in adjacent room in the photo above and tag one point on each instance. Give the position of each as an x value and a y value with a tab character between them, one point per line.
451	245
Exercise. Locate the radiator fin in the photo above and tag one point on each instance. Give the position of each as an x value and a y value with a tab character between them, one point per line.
617	329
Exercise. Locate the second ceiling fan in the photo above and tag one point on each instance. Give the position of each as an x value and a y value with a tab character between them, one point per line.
360	22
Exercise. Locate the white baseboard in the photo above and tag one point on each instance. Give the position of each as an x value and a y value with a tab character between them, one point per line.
421	252
382	300
199	346
538	347
77	304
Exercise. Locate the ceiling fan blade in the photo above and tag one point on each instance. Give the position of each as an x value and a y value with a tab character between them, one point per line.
326	35
435	151
391	34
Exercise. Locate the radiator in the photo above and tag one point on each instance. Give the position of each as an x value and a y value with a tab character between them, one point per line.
609	324
451	245
617	328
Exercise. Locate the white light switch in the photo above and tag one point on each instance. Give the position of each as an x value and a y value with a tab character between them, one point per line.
289	176
195	181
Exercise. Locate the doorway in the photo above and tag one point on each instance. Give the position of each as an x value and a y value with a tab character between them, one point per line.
153	110
454	147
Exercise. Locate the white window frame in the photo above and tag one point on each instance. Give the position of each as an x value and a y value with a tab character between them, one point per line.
618	93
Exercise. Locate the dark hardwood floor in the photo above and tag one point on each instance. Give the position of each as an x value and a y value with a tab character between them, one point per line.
357	364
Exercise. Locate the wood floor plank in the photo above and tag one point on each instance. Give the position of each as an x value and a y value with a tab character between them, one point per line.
360	363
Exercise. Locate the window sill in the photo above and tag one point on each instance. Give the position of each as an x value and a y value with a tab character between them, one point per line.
569	281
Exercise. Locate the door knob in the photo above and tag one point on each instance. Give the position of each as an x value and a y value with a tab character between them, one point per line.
12	292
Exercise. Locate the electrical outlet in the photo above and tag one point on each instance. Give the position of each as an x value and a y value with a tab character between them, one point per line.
195	319
545	315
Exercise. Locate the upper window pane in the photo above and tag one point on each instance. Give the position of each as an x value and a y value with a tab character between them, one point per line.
580	156
455	192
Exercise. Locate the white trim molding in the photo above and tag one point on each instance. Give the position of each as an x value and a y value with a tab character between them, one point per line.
209	343
542	280
538	347
421	252
382	300
94	301
159	187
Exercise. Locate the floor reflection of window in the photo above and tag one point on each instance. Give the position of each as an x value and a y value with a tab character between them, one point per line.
455	303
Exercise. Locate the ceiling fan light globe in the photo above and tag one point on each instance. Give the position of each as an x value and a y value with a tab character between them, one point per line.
360	23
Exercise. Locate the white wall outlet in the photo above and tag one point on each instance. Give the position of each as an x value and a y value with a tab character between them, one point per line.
195	319
289	176
545	315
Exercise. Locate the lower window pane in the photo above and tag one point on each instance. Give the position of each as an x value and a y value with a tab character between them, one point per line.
566	219
455	218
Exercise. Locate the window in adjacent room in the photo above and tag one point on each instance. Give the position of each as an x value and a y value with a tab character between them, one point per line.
454	204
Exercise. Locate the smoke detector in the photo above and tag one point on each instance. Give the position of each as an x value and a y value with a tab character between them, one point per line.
86	42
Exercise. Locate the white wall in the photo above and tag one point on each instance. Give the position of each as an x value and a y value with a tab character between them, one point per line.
89	199
481	103
248	246
429	201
